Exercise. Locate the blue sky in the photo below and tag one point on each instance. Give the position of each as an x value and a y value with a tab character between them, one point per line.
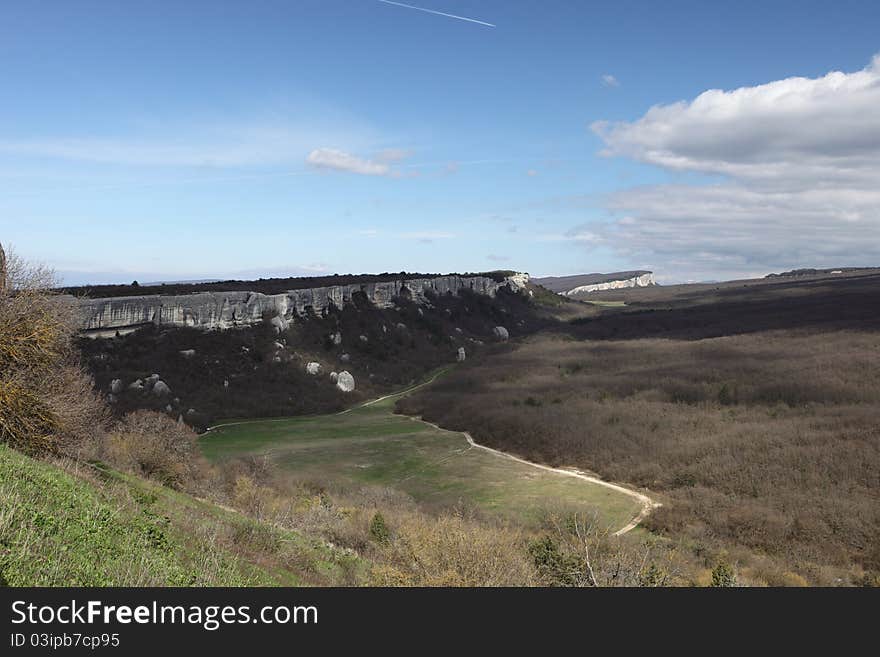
166	140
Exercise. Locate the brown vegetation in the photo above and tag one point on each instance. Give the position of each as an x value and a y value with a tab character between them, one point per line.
767	441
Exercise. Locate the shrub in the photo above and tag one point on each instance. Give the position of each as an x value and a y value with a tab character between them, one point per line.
723	575
378	529
153	445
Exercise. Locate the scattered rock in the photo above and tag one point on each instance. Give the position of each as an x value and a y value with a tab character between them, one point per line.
188	353
161	388
136	385
345	381
278	345
462	355
313	368
116	386
334	377
363	338
500	333
225	383
336	338
458	330
401	327
168	408
344	358
111	398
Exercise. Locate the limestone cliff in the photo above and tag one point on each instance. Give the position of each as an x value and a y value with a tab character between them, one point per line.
571	286
223	310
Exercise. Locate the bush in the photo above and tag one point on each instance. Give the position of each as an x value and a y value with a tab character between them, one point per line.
378	529
155	446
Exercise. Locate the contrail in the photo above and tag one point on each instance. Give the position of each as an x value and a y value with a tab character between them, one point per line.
439	13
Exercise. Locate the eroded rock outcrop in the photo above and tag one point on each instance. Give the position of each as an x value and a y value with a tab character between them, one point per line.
224	310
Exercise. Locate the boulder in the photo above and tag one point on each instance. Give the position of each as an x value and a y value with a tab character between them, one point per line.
462	355
136	385
279	324
458	330
313	368
116	386
363	338
334	377
345	381
344	358
500	333
187	353
160	388
336	338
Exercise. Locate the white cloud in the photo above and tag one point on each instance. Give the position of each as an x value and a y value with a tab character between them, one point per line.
799	161
330	158
206	144
610	81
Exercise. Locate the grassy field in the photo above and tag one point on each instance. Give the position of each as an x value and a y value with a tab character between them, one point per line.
439	469
104	528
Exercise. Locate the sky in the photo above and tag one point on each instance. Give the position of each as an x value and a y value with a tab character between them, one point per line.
156	140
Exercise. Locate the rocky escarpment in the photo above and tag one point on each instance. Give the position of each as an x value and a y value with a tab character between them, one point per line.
223	310
572	286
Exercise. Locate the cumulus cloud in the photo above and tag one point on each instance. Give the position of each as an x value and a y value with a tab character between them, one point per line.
798	167
610	81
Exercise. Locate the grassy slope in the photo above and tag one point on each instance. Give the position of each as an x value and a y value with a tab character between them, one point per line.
57	529
371	445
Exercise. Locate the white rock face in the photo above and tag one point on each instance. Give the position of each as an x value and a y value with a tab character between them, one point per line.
116	386
462	355
224	310
345	381
160	389
500	333
518	280
313	368
637	281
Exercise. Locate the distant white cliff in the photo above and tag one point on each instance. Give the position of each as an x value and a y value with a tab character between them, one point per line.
571	286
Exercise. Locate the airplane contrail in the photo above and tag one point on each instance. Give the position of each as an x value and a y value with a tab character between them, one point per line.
439	13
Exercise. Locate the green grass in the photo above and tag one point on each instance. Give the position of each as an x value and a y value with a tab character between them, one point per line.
604	304
371	445
111	529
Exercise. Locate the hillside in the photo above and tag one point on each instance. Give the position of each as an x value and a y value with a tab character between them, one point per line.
750	409
99	527
258	371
